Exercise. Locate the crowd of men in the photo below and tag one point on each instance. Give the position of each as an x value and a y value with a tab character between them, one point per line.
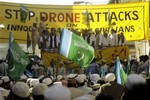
59	81
49	39
96	82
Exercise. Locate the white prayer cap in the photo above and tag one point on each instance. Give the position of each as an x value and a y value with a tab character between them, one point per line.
47	81
1	96
125	60
34	82
94	78
57	92
40	77
80	78
59	77
83	76
134	79
39	89
52	77
85	97
28	81
58	83
95	86
1	81
21	89
23	77
110	77
5	79
4	92
75	92
71	76
11	84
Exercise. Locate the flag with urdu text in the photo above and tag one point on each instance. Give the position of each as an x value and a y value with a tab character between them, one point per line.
75	48
17	61
23	13
120	74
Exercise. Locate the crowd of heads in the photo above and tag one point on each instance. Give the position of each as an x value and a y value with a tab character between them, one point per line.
76	86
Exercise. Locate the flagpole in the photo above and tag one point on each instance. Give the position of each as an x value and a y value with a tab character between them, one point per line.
27	41
10	40
58	62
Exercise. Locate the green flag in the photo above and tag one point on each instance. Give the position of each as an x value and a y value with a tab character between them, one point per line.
17	61
23	13
121	75
75	48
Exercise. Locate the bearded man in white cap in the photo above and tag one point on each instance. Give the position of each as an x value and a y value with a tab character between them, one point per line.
81	84
19	91
112	88
38	91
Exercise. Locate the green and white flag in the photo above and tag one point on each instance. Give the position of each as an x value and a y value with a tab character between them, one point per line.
23	13
76	48
17	61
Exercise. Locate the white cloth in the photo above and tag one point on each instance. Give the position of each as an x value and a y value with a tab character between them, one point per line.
92	39
113	39
62	71
99	39
42	27
105	41
104	70
57	92
85	89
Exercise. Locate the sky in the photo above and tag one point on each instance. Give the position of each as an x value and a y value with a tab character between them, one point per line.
56	2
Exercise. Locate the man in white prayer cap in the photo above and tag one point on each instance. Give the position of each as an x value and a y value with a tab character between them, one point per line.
57	92
48	81
81	84
38	91
136	88
19	91
134	79
111	86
